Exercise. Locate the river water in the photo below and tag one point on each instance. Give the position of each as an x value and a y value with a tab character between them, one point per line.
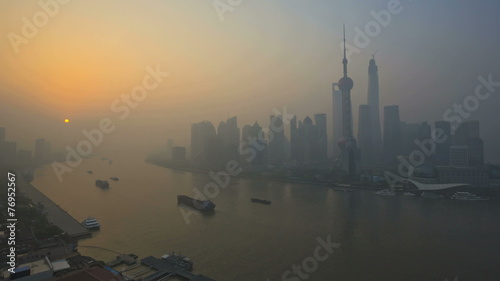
382	238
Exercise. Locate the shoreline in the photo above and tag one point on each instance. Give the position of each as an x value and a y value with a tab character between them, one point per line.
55	214
353	186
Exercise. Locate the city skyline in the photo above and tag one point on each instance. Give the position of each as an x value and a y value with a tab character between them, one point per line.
410	76
249	140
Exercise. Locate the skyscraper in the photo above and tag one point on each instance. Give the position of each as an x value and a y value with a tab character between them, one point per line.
365	140
200	133
442	155
373	102
347	143
392	134
250	135
276	149
309	141
322	137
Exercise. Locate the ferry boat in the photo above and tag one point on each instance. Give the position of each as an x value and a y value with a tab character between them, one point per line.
102	183
201	205
467	196
178	261
386	192
262	201
91	223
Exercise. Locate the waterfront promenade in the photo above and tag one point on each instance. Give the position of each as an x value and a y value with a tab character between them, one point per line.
55	214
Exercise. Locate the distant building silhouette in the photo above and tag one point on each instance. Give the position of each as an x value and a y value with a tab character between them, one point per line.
250	136
309	142
200	135
459	156
425	131
322	149
442	155
365	139
276	149
373	102
410	132
228	132
392	134
468	135
179	155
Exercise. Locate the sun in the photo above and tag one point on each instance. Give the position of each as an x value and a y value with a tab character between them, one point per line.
66	120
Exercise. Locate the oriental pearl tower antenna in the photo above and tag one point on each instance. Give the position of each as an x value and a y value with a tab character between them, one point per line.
347	142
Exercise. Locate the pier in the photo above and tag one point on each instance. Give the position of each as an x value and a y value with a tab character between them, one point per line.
165	269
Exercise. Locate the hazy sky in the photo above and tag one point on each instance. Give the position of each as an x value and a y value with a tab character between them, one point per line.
264	54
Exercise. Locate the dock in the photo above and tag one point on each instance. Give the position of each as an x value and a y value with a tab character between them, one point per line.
55	214
164	269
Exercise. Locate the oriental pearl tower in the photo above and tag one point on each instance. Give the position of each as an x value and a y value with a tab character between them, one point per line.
347	142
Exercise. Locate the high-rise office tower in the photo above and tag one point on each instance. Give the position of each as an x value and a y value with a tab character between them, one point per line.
465	131
232	130
442	155
253	135
322	138
425	131
200	134
392	134
373	102
476	152
459	156
276	136
347	142
467	134
365	139
410	132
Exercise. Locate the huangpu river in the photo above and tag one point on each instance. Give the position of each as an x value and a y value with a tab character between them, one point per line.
386	238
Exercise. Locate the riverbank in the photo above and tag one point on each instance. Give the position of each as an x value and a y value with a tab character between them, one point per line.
357	185
55	214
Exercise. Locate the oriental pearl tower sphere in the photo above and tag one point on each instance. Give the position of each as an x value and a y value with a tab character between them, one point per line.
347	142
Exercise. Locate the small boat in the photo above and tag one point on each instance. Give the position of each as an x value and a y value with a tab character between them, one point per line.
409	194
467	196
91	223
102	183
89	172
114	178
179	261
261	201
386	192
